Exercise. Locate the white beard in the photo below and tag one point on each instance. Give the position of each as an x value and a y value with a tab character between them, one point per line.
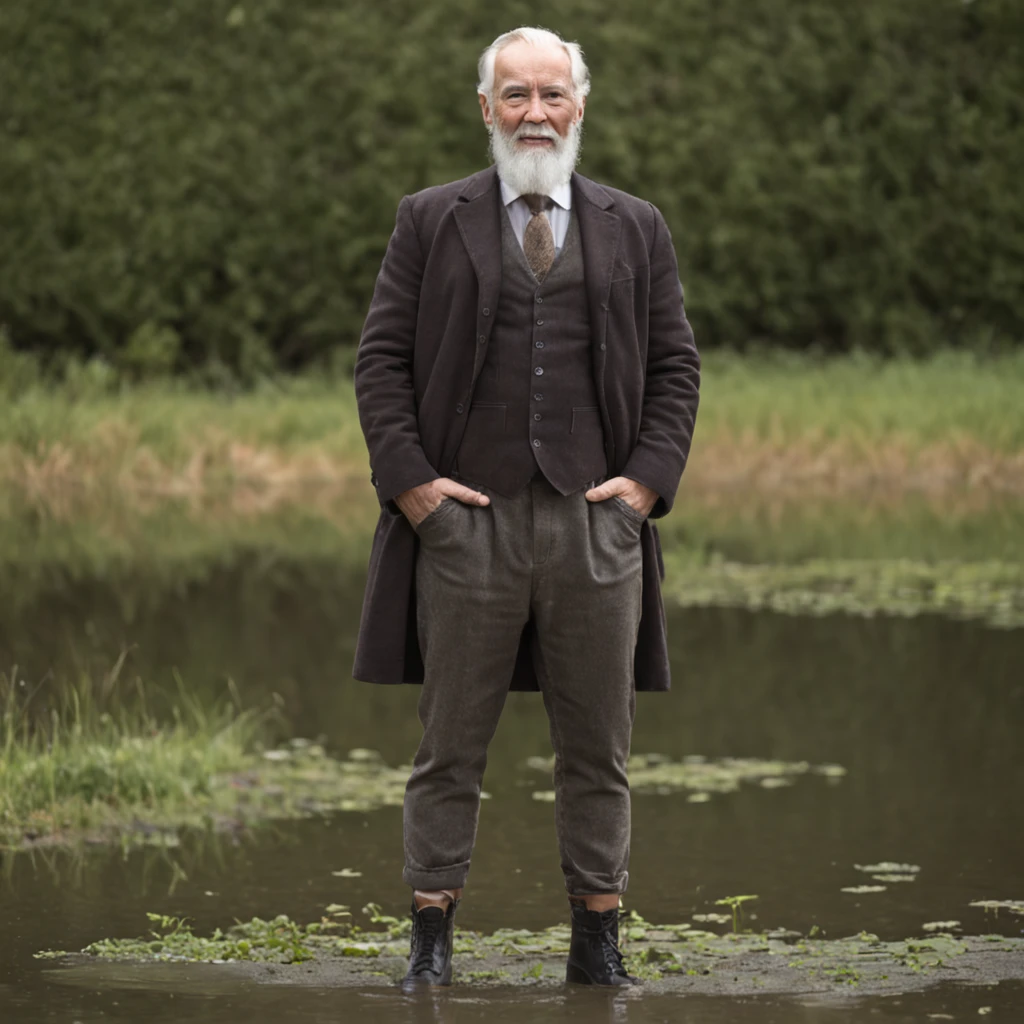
541	170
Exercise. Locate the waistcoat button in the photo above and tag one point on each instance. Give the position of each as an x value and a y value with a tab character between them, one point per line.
458	408
540	323
536	443
486	311
539	371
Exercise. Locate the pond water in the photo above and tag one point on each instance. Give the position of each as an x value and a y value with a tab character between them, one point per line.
926	715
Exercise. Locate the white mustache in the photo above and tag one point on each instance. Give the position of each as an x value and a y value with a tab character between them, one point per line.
537	131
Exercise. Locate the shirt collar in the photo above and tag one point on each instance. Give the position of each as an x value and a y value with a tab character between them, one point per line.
562	195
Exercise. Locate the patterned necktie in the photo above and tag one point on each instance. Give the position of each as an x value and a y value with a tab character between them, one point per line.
538	241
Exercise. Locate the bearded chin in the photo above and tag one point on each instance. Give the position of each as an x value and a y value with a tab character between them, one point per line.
528	170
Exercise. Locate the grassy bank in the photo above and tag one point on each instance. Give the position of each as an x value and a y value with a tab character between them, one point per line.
106	764
772	424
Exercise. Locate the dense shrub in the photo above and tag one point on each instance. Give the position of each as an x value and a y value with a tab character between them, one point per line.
210	185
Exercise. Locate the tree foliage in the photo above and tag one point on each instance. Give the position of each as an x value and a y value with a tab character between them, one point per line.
209	185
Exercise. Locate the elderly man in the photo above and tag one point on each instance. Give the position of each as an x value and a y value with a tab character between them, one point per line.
528	384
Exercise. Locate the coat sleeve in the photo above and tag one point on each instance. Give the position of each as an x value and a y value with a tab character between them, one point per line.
383	368
672	382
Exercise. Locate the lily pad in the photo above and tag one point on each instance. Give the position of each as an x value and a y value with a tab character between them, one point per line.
1013	906
888	867
863	888
704	777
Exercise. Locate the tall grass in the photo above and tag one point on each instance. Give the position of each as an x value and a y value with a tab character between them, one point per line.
93	755
864	401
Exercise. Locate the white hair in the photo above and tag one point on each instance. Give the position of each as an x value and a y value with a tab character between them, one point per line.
538	37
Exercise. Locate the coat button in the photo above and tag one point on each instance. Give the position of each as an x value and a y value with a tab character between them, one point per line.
483	339
536	443
458	408
538	397
540	298
538	344
539	371
540	323
537	416
486	311
603	346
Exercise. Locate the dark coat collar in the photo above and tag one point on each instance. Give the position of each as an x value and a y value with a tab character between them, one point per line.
485	182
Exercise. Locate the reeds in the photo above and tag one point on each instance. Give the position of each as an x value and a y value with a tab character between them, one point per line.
88	756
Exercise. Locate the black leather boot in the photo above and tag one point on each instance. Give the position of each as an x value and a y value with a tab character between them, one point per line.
594	957
430	953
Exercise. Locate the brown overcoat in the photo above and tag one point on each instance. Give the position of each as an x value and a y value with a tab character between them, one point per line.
423	346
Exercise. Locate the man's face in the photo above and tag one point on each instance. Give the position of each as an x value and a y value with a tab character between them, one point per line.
533	96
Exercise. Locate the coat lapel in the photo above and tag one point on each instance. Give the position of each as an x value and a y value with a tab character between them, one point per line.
600	230
476	214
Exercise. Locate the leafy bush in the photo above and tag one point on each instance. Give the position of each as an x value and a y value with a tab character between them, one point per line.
208	186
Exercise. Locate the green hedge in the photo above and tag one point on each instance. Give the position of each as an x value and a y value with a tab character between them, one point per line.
208	186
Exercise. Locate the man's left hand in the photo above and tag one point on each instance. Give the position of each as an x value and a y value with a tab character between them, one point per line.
640	498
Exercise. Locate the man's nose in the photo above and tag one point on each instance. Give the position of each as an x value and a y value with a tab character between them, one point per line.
536	112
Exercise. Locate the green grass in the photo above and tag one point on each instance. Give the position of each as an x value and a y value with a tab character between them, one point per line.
109	763
864	399
172	420
782	397
100	755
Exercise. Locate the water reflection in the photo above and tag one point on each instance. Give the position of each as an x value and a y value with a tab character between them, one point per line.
927	715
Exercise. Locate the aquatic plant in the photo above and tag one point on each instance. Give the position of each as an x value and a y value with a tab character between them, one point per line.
348	953
735	904
702	776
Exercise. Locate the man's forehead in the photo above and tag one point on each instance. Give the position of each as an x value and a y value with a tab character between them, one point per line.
525	61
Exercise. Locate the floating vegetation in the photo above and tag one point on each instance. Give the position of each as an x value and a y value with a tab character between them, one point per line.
341	949
889	867
658	774
1013	906
941	926
990	591
861	889
894	878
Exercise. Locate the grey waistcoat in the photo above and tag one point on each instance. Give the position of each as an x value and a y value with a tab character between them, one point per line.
535	404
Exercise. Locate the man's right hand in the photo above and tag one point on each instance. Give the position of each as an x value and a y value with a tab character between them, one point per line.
418	502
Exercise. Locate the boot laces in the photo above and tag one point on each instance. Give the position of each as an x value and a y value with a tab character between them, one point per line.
427	932
612	953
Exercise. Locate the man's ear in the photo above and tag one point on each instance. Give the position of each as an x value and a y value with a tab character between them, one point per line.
581	108
485	109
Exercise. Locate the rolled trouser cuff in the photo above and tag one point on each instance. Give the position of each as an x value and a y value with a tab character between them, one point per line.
432	879
583	885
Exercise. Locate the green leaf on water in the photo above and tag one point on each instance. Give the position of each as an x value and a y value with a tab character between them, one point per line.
888	867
